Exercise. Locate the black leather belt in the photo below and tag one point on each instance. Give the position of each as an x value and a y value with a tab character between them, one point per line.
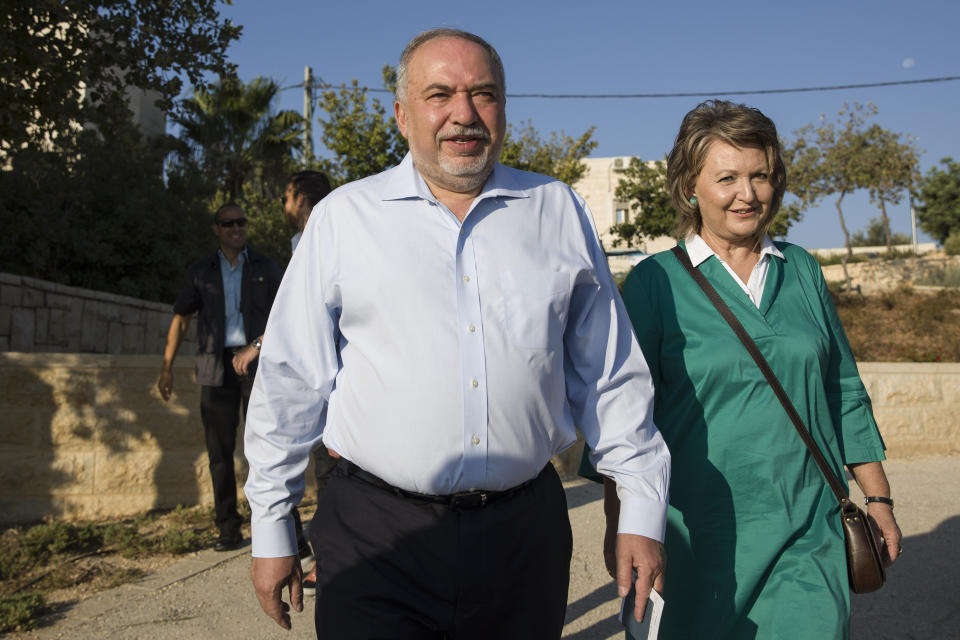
464	500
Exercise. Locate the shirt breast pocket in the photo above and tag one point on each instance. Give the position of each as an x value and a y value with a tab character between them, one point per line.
535	307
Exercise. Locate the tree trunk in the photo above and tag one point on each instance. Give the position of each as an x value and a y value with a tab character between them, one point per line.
886	225
846	235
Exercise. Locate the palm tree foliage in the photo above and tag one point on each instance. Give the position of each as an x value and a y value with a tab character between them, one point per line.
233	136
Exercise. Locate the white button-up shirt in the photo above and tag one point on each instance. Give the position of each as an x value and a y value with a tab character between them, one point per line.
699	250
445	357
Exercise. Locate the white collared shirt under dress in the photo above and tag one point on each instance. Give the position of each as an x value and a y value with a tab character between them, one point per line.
698	250
445	357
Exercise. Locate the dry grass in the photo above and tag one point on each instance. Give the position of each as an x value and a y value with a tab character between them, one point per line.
902	325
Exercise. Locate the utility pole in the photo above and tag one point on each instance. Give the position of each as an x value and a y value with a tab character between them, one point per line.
307	155
913	223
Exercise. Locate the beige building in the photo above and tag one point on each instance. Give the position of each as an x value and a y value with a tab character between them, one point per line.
598	187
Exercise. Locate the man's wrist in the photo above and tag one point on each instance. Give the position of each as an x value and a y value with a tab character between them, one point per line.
256	344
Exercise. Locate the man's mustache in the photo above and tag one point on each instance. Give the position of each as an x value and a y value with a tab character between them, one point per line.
480	133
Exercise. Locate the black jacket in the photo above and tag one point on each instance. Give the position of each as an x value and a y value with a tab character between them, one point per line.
202	293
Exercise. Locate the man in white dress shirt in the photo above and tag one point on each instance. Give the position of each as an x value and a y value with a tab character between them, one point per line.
444	327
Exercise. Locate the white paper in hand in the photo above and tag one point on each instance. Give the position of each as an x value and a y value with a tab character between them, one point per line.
649	627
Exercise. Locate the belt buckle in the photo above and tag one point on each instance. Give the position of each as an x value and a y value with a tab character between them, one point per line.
468	500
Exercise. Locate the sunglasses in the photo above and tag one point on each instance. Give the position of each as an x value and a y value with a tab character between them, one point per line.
230	222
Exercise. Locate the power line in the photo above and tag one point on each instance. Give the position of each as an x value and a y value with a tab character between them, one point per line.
681	94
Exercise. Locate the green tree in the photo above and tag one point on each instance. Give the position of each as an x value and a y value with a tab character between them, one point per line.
86	209
938	192
111	223
644	187
894	173
363	139
231	133
559	157
876	234
64	63
840	157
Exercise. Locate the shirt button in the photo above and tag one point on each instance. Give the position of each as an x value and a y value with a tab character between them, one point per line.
475	441
472	328
475	383
466	278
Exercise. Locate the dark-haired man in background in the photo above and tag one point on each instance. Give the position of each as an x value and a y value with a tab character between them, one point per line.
231	291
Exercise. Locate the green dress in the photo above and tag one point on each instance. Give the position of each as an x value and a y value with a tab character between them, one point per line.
754	545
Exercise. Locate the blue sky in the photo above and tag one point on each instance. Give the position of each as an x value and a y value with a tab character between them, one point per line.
635	46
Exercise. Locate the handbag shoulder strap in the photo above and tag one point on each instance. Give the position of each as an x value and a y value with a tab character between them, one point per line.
768	373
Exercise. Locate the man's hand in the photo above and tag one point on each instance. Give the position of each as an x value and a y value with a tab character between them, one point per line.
165	383
647	556
243	358
270	576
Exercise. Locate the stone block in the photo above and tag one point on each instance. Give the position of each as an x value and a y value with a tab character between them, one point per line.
74	325
42	328
895	390
73	429
126	472
59	301
25	427
115	337
10	295
170	431
93	330
57	327
6	317
176	471
950	385
24	387
897	423
108	311
941	423
114	505
133	339
45	473
31	297
130	314
23	326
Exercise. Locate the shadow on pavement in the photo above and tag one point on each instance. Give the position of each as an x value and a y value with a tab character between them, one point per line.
921	598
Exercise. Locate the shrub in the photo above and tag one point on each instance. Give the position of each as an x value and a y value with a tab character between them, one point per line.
951	246
946	277
21	611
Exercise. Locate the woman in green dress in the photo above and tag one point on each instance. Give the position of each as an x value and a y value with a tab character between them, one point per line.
754	544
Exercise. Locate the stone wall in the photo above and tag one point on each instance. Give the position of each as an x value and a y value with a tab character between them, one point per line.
88	436
40	316
886	275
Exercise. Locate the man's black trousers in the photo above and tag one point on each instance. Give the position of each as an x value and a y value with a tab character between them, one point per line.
220	413
402	568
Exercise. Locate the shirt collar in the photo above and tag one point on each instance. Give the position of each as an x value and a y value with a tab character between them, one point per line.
699	250
406	182
241	258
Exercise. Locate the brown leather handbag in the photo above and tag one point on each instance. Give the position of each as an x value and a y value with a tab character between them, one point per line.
864	564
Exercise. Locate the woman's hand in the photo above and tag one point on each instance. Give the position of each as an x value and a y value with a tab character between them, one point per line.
873	482
890	536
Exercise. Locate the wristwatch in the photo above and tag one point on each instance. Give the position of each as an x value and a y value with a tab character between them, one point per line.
257	344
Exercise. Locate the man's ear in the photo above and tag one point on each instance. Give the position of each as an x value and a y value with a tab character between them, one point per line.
401	115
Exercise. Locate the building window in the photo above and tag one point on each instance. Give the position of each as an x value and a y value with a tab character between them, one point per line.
621	216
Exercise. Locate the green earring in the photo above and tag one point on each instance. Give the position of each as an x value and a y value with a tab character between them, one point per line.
694	201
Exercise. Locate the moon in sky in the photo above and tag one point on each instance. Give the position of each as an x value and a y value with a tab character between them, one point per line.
908	62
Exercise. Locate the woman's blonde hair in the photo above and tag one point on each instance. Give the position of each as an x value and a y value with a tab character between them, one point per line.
736	124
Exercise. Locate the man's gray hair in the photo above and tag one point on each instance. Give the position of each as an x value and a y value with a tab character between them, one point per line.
443	32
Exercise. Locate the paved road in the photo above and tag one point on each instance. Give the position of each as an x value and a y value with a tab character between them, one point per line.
209	595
